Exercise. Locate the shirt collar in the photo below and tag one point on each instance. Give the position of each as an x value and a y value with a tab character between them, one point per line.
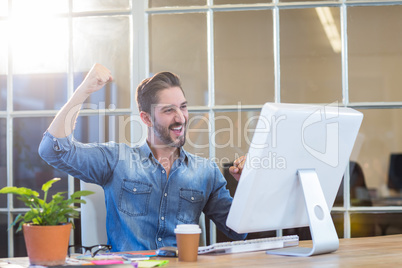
147	154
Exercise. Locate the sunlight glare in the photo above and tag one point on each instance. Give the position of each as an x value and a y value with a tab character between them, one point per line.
3	7
39	40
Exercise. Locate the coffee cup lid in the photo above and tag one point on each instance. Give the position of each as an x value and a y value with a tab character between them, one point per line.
187	229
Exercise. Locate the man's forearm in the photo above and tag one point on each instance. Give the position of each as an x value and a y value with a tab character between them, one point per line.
64	122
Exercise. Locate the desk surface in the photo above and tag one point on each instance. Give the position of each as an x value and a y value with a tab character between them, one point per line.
380	251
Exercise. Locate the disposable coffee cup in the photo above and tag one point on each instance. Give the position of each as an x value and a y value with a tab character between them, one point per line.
188	238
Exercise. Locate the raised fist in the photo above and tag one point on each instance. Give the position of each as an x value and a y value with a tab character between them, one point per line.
97	77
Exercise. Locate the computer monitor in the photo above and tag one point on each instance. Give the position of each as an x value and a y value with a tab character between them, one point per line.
294	167
395	172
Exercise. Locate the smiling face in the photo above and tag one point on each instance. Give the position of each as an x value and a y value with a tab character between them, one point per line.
169	118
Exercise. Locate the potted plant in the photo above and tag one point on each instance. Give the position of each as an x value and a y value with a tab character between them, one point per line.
46	225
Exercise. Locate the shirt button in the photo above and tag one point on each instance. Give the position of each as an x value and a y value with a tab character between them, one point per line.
54	139
192	198
56	147
165	194
162	218
159	239
163	171
135	189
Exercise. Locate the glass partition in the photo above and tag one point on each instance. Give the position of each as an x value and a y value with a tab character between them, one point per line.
99	5
114	53
102	128
378	140
375	54
244	63
311	70
173	3
3	160
3	235
233	135
45	52
40	69
197	136
369	224
19	243
338	220
3	64
178	44
48	44
233	2
296	1
29	170
39	91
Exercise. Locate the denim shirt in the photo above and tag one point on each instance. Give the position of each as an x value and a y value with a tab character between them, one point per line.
143	205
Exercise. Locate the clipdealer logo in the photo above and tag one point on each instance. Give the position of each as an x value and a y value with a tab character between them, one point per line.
328	115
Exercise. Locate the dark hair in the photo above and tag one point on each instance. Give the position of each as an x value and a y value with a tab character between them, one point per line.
147	90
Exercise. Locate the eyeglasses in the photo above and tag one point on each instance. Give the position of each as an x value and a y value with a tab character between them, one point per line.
92	249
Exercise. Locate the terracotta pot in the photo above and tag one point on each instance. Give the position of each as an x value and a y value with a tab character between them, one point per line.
47	245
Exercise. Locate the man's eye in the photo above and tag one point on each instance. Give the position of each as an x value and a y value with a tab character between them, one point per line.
168	110
184	107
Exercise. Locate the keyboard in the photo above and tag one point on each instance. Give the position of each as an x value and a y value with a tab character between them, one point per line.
250	245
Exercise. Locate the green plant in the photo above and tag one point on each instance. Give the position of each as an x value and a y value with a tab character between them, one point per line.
58	210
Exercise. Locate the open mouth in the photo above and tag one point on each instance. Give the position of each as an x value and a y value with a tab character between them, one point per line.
178	130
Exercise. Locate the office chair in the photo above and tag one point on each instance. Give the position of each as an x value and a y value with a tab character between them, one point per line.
93	217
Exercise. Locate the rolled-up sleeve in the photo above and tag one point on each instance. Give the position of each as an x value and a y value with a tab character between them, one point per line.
219	204
88	162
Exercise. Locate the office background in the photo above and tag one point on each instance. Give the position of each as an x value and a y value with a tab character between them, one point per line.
232	56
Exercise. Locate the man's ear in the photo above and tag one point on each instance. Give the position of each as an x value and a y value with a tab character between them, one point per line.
146	118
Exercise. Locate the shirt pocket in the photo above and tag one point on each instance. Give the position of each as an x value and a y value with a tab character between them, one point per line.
190	205
134	198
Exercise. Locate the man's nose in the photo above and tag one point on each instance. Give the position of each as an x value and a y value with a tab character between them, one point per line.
180	116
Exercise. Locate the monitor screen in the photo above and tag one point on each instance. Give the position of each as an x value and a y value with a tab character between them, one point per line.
289	138
395	172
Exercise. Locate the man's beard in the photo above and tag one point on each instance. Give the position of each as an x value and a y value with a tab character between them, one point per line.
163	134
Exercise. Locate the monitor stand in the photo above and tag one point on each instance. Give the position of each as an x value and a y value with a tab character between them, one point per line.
323	233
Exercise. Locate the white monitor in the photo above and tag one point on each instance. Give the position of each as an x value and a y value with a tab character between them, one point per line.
294	167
